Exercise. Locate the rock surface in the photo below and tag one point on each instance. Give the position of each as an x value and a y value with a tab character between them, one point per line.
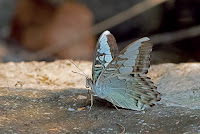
40	97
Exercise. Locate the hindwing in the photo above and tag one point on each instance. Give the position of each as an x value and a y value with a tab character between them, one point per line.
134	91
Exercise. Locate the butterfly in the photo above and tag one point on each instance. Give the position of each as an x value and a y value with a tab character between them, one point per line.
120	77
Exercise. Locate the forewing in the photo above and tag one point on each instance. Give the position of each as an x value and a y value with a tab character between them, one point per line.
134	91
106	51
135	58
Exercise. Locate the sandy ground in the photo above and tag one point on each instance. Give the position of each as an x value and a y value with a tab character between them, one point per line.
40	97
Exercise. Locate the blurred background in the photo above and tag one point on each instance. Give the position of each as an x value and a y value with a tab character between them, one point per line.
46	30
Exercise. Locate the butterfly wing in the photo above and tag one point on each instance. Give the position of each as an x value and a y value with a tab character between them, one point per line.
134	91
106	51
135	58
124	82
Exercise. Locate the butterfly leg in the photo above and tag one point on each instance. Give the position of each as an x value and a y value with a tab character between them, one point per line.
86	102
91	103
114	104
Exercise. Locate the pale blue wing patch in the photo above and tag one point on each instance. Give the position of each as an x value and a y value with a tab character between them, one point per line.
106	50
125	70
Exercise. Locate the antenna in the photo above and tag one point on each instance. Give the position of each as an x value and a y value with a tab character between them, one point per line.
79	69
78	73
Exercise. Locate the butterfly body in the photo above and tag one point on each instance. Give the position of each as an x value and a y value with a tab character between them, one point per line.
120	77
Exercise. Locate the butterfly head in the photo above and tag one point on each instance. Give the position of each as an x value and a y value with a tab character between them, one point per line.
88	82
